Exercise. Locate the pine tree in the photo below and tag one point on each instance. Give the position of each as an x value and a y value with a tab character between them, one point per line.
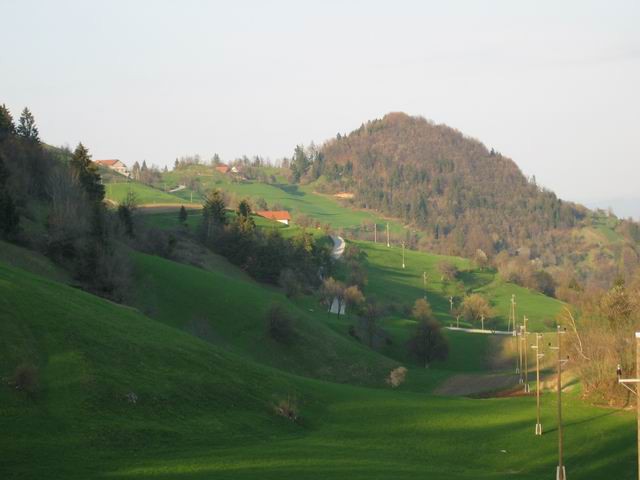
213	212
27	126
87	173
9	218
7	126
245	222
182	215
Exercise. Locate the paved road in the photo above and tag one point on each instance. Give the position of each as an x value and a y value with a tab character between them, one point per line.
338	246
477	330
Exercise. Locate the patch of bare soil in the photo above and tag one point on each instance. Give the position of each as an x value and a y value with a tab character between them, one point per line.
467	384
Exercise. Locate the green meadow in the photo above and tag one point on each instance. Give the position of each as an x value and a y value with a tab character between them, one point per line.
123	395
183	382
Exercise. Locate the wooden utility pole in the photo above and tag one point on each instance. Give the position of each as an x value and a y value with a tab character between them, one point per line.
512	322
402	254
424	281
636	392
561	473
512	314
388	244
539	355
526	361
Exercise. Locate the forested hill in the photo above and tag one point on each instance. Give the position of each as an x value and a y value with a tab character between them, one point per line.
451	186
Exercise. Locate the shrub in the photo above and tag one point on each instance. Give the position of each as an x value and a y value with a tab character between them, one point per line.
290	282
288	408
280	325
397	376
25	378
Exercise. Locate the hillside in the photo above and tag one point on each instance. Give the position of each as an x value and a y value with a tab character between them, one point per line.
123	396
447	184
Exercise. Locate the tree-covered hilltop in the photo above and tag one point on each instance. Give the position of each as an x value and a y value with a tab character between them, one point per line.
461	193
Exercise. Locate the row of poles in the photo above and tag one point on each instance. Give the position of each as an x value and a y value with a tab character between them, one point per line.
520	334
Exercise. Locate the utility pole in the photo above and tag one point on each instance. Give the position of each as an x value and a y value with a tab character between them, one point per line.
636	392
539	355
561	473
388	244
375	233
520	368
424	281
526	361
512	321
402	254
512	314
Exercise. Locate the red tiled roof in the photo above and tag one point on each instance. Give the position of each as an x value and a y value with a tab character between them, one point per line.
222	168
276	215
106	162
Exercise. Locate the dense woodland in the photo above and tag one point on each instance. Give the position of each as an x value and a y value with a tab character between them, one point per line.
465	199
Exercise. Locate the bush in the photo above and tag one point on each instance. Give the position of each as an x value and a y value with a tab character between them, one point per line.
25	378
397	376
290	282
280	325
288	408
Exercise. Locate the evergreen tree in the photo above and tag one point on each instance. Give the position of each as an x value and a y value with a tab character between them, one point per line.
27	126
9	218
213	212
245	222
7	126
87	173
299	164
182	215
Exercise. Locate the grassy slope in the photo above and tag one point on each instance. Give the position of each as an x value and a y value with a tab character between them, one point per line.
301	200
388	280
90	354
230	312
117	192
204	413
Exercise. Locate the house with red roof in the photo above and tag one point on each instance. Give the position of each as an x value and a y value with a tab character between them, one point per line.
281	216
115	165
222	168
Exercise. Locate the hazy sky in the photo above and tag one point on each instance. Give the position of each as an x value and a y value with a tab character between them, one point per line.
554	85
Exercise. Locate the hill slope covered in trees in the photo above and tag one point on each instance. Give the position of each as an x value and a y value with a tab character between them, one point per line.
450	185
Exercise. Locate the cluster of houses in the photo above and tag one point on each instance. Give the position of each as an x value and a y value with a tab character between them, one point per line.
281	216
224	169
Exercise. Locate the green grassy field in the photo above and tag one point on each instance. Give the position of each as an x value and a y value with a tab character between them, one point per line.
390	282
230	312
299	199
205	398
117	192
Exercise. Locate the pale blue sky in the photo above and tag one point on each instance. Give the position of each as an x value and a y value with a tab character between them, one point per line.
554	85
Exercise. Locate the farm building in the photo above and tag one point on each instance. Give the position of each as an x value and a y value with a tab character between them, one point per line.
222	168
281	216
115	165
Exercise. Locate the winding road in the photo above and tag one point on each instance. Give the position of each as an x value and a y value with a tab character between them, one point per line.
338	246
